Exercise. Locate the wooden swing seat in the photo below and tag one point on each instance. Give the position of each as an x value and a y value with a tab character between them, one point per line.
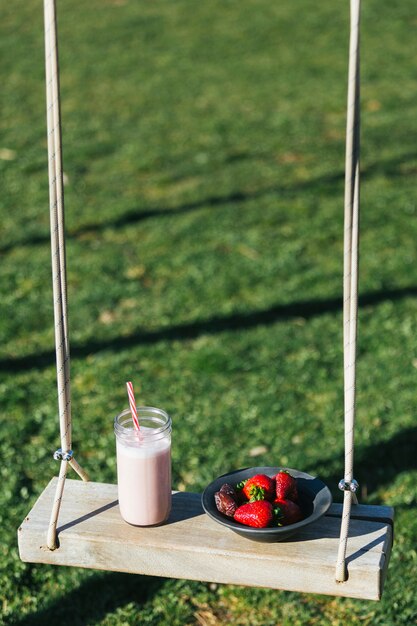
92	534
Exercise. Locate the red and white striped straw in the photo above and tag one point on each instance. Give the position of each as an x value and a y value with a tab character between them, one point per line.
132	405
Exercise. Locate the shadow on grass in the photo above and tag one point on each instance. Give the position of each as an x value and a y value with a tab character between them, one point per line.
375	465
328	182
305	309
94	599
138	215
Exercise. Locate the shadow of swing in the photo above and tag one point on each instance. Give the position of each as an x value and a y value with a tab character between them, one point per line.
87	516
184	506
390	168
367	548
305	309
93	599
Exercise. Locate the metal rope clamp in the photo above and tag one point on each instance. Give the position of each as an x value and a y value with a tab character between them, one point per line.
349	485
63	456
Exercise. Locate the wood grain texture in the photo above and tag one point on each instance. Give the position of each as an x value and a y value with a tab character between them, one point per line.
190	545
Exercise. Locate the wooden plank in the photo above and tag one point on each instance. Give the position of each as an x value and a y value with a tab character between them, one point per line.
190	545
365	512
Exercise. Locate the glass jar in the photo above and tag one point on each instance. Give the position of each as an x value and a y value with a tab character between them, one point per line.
144	466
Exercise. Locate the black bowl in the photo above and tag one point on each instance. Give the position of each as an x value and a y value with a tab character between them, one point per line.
314	499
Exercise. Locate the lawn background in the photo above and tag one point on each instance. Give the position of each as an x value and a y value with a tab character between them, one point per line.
203	157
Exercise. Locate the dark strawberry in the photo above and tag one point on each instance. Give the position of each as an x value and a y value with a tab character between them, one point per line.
257	514
287	512
286	486
225	503
259	487
229	490
226	500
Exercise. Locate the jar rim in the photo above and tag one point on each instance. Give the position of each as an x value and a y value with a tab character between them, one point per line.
149	414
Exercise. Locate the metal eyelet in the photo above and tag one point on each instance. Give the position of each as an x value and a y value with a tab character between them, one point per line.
346	485
63	456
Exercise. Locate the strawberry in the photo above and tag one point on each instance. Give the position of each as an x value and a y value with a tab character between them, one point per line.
257	514
259	487
287	512
286	486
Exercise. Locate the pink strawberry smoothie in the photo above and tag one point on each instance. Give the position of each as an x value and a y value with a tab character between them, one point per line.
144	481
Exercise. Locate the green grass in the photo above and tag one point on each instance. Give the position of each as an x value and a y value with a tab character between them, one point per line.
204	154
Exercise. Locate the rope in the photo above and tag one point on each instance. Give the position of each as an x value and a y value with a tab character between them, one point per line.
350	281
56	202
